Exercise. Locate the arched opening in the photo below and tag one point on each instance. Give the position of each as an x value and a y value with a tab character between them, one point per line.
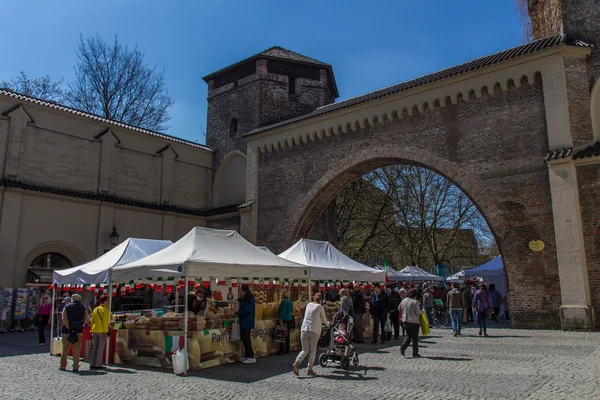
233	127
41	268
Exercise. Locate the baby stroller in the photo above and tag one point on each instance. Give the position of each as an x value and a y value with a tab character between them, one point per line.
336	342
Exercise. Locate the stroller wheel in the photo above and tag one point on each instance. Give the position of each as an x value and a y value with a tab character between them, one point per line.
323	360
345	363
355	361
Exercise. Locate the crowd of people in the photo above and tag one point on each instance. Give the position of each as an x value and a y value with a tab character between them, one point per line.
396	310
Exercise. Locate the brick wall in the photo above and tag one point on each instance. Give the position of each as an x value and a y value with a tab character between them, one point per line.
492	147
588	179
578	94
581	19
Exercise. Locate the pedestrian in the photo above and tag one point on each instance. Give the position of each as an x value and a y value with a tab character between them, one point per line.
428	304
66	300
100	329
403	294
411	316
395	299
346	303
467	303
314	318
358	305
454	299
286	317
380	310
482	304
43	313
245	315
74	316
496	297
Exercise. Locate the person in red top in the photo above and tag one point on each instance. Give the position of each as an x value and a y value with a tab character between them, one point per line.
43	316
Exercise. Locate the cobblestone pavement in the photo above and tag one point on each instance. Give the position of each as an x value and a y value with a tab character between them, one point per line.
511	364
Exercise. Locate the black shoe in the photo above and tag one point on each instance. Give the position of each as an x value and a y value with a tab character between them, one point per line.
402	352
94	368
417	356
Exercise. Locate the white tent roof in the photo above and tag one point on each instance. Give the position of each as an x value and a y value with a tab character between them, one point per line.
210	253
393	275
265	248
457	277
412	273
327	262
98	270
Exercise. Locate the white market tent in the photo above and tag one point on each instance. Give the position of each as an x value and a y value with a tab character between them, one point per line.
328	263
205	252
98	270
412	274
393	275
265	248
457	277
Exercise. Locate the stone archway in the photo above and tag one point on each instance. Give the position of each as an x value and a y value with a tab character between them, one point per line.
64	249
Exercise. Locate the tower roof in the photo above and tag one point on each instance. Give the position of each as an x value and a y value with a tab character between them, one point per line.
281	54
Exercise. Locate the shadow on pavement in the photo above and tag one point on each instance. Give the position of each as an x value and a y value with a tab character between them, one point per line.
120	371
21	343
88	372
439	358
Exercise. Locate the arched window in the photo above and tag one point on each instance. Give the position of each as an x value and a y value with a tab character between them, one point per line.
233	126
40	269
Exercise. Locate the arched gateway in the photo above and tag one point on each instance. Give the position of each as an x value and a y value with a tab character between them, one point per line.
512	130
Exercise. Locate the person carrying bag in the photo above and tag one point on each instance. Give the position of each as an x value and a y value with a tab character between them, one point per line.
74	316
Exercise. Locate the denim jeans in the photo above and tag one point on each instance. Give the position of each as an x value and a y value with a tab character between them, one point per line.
456	319
481	321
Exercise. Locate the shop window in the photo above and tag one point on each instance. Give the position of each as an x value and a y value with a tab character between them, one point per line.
233	126
40	269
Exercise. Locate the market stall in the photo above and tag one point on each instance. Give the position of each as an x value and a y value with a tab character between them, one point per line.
458	277
491	272
327	266
91	278
196	260
416	274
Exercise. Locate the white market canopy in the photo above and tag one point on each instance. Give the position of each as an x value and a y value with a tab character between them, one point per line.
265	248
205	252
328	263
393	275
412	274
457	277
491	268
98	270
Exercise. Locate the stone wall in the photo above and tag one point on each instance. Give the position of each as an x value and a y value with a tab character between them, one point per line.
588	179
492	147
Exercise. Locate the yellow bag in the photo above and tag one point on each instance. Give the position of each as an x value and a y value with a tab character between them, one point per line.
424	325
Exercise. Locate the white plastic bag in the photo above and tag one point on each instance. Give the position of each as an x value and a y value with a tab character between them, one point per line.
388	326
180	362
234	336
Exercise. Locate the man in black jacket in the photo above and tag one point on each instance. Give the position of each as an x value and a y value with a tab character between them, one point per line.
358	303
394	313
380	310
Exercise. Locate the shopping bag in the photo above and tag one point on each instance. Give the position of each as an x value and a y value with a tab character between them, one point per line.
388	326
56	346
280	333
424	325
234	336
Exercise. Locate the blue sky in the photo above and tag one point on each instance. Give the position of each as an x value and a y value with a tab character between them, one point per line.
371	44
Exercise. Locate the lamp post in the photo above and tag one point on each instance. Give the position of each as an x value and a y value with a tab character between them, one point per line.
114	238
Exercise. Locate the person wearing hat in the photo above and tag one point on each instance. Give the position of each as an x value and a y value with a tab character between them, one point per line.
74	315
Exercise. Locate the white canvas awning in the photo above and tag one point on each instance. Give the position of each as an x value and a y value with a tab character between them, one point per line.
98	270
412	274
457	277
205	252
265	248
393	275
328	263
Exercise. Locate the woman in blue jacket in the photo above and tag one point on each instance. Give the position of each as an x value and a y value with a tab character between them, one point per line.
245	315
286	317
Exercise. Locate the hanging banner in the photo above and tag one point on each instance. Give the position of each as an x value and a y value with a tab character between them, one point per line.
21	303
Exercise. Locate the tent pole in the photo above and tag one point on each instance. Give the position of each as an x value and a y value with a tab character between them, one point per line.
309	285
52	318
109	314
185	316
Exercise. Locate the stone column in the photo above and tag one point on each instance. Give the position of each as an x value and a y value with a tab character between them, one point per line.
576	311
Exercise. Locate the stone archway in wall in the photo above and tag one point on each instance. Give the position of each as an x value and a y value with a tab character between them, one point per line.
71	253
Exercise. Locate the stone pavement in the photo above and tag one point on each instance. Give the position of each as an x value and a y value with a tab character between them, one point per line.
511	364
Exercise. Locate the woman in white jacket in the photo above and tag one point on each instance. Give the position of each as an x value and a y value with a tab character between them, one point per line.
314	317
411	317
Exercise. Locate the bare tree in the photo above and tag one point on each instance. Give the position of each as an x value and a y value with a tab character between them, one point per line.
42	88
540	18
411	216
113	81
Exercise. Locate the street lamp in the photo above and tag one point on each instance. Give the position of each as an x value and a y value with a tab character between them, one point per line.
114	238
